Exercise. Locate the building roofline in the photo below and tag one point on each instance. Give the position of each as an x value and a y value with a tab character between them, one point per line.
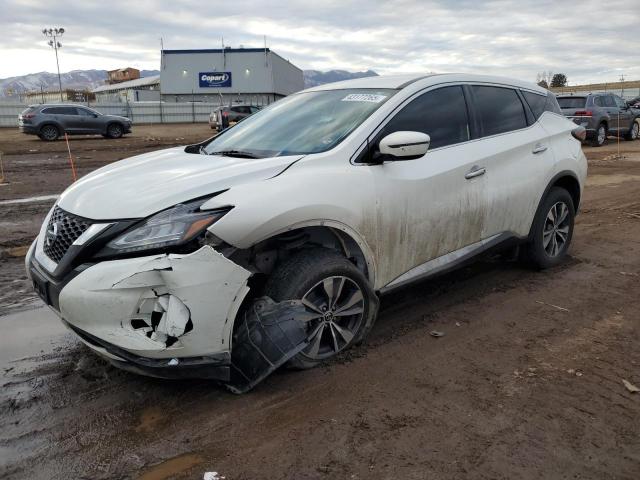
215	50
230	50
136	82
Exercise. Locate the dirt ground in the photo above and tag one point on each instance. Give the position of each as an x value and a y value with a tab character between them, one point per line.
526	383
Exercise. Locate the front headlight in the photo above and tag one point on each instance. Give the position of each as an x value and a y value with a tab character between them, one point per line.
172	227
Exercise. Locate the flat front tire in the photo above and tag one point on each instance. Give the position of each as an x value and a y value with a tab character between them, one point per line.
552	230
342	304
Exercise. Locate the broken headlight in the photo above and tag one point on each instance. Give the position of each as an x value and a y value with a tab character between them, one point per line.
175	226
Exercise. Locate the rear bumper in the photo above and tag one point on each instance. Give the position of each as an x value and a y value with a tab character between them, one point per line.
28	129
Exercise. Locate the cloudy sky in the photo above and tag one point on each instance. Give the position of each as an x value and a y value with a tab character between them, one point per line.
587	40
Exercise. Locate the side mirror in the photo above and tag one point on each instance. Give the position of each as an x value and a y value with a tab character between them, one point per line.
405	145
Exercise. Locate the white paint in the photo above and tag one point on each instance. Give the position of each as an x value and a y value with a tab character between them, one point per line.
204	286
402	214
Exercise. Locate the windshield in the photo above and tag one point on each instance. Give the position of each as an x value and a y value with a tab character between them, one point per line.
572	102
305	123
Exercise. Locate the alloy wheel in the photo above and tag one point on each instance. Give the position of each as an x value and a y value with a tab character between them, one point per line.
635	131
49	132
336	311
602	134
115	131
556	229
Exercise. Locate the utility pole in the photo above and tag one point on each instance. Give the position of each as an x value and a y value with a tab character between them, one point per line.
53	34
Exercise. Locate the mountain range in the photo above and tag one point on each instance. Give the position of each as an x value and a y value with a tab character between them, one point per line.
89	79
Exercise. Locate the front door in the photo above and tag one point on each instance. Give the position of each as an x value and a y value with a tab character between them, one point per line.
433	205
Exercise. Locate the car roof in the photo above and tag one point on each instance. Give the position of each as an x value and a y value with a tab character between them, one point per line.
398	82
43	105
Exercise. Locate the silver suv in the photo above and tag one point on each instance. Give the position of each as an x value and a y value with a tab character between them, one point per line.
51	121
601	114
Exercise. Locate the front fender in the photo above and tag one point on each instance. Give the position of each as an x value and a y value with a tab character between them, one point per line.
339	198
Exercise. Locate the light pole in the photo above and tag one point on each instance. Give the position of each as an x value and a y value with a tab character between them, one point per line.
54	33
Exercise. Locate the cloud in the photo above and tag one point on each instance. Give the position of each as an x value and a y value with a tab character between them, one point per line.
512	38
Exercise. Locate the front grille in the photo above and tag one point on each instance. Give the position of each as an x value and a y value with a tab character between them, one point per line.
63	229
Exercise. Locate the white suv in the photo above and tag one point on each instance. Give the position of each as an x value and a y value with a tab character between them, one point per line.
271	242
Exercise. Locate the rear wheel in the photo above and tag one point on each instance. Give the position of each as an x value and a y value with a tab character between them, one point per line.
634	132
341	302
600	136
49	133
552	230
114	130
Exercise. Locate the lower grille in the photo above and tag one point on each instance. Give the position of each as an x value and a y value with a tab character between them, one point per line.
63	229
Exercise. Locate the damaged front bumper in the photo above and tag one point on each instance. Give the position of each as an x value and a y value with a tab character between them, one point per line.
164	315
172	316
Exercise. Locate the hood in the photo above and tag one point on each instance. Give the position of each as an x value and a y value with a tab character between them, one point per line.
145	184
119	117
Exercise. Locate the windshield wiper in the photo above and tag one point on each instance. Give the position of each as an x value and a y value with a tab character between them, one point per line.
235	153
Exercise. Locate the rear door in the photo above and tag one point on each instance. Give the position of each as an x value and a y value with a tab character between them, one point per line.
516	153
73	122
66	117
89	122
612	111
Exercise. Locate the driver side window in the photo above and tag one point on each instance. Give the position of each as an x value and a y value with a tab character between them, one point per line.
441	113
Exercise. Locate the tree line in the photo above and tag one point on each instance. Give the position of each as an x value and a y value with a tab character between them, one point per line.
550	79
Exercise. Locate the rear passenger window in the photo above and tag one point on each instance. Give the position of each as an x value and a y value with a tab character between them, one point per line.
499	109
442	114
598	102
608	101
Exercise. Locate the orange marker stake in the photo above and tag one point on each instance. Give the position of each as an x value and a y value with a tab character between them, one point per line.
73	167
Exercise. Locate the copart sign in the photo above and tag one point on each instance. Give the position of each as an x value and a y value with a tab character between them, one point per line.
214	79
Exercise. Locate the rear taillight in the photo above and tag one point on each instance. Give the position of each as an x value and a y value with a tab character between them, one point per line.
579	133
583	113
28	115
225	114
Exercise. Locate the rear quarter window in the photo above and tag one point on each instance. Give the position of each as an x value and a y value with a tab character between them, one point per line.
537	103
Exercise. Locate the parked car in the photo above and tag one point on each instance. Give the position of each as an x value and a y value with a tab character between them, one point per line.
601	114
634	103
272	241
221	117
50	121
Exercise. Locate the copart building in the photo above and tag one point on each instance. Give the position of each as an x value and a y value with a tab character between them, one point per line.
257	76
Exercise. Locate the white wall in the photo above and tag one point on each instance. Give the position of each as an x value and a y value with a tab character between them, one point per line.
140	112
251	72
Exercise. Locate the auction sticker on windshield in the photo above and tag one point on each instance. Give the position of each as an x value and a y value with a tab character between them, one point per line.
364	97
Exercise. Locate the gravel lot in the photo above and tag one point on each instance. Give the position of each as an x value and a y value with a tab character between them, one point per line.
526	383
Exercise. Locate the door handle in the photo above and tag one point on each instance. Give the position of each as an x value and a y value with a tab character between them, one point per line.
539	148
475	171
